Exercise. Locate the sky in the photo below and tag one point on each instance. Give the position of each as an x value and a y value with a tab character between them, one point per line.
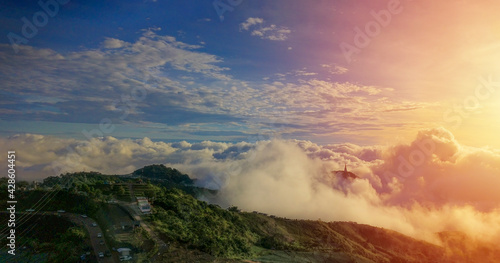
268	97
326	71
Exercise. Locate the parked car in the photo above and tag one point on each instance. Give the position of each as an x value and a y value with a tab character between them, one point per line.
99	235
84	216
101	242
94	224
61	211
107	253
101	255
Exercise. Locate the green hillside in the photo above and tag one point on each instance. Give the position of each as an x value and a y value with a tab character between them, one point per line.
161	172
187	222
196	231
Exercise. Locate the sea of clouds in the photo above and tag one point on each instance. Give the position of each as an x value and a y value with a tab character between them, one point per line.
430	184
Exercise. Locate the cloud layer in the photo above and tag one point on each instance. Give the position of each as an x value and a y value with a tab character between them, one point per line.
451	186
172	87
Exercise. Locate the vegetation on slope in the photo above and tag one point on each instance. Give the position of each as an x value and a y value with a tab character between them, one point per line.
160	171
47	238
202	232
181	218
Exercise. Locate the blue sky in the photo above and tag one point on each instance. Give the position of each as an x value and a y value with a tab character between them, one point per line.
173	70
379	85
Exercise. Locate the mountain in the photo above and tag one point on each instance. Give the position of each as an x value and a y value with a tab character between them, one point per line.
221	233
196	231
207	233
345	174
161	172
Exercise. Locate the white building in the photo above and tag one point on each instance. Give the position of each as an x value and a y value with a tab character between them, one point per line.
143	204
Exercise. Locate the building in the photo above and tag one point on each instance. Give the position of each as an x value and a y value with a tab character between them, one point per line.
124	253
143	204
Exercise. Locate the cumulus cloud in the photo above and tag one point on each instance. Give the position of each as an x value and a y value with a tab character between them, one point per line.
114	43
428	185
435	169
271	32
251	21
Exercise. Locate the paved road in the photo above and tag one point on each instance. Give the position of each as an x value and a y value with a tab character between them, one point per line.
94	240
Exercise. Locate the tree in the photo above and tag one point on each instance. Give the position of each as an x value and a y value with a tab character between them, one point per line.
51	181
150	193
121	190
22	184
97	193
85	188
66	246
233	209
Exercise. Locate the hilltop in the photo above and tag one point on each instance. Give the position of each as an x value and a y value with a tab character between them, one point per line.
345	174
161	172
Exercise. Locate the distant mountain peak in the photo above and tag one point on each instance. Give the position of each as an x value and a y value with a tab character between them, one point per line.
345	174
161	172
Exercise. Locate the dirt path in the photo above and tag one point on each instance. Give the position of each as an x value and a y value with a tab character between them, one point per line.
137	215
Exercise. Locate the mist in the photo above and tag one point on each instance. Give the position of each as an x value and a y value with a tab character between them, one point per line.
419	188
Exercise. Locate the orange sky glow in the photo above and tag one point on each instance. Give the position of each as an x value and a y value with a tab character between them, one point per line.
270	99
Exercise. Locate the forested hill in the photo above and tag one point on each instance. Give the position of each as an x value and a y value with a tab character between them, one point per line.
160	171
200	232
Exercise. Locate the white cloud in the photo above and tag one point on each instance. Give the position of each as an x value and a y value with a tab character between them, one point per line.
114	43
118	66
455	188
90	81
304	73
84	86
251	21
271	32
335	69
